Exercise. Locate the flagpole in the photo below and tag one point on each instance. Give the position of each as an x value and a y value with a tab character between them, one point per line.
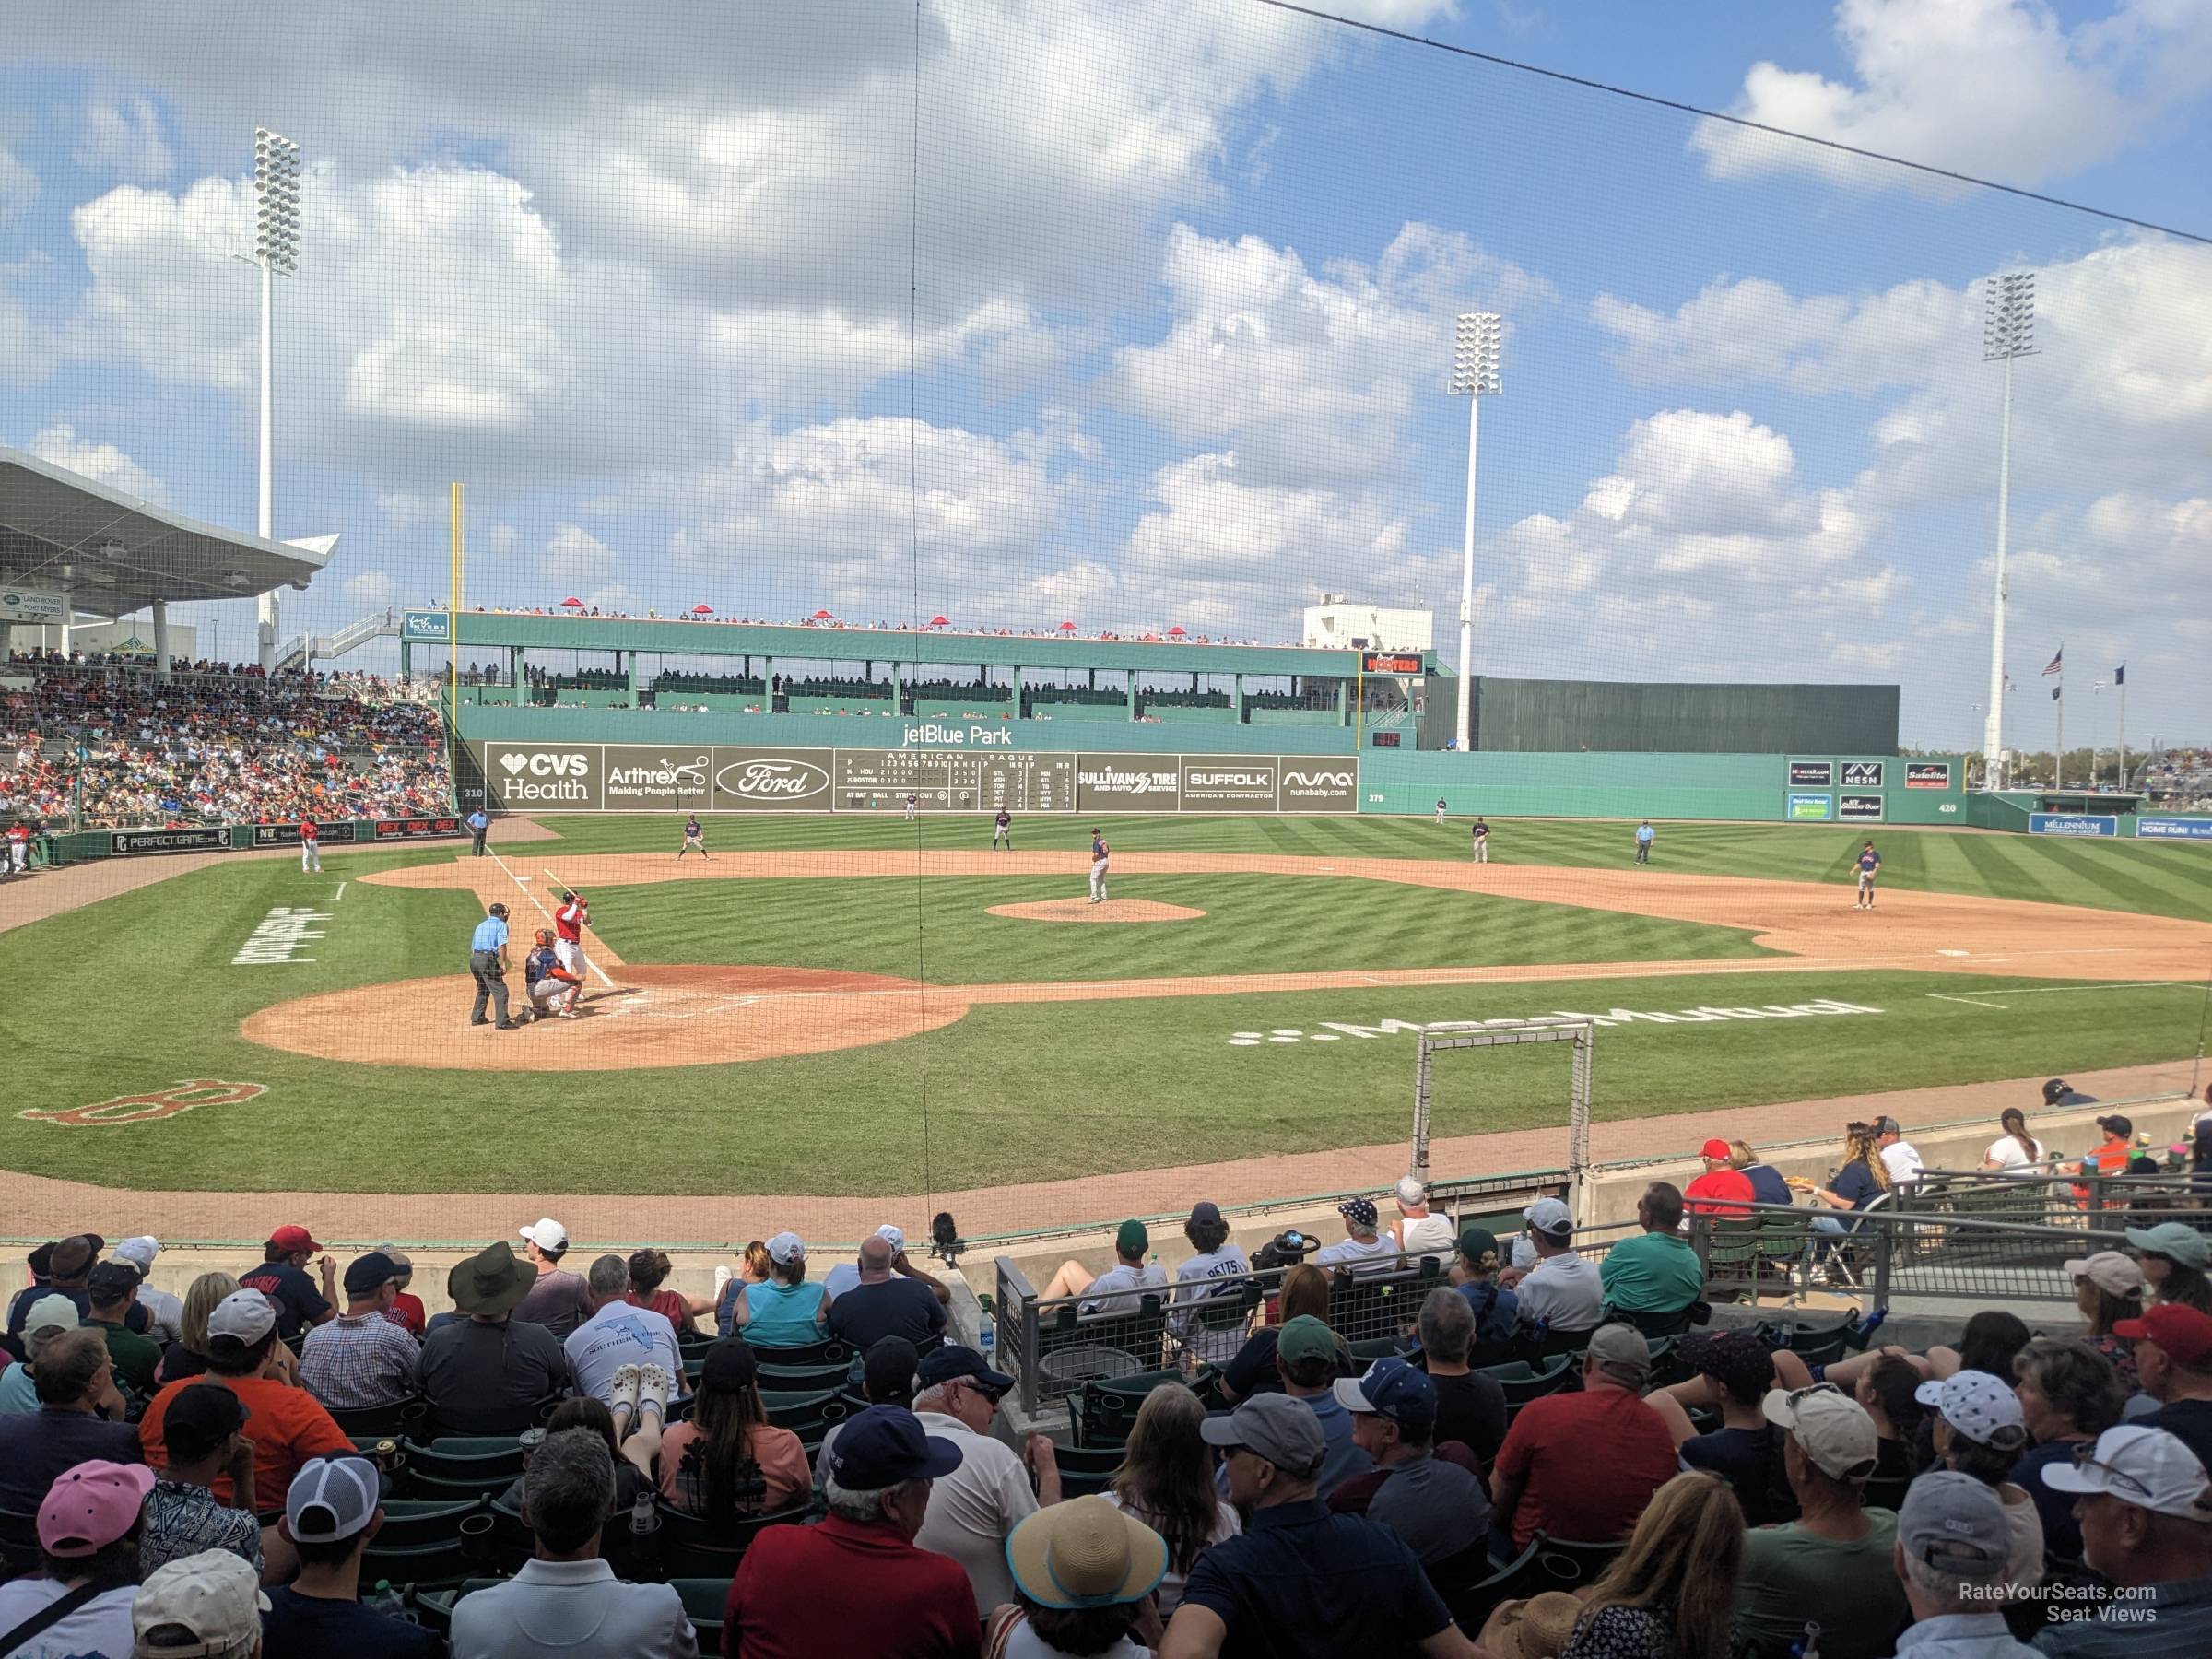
2122	779
2058	756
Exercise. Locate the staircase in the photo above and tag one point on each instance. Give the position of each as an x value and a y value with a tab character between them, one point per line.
305	651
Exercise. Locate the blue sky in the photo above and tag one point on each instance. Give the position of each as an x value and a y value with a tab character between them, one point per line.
1182	283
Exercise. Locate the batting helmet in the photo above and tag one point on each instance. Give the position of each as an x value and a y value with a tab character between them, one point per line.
567	897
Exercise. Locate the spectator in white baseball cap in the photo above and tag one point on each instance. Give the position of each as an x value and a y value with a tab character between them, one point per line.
1561	1287
787	1312
1980	1432
331	1512
1416	1232
2145	1508
559	1300
204	1606
164	1309
1951	1553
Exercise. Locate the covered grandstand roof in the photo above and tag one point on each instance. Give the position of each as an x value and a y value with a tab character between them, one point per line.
115	554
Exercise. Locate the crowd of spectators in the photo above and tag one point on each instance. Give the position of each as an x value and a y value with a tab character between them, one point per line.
1175	635
106	743
2178	779
188	1469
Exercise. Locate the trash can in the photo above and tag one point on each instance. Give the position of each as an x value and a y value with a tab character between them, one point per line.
1069	1368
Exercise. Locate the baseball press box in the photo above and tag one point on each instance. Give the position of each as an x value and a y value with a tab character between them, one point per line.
611	777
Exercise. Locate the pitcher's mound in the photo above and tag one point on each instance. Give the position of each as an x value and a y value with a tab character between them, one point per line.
664	1016
1110	910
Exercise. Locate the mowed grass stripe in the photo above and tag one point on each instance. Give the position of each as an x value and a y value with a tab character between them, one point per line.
1253	924
2126	875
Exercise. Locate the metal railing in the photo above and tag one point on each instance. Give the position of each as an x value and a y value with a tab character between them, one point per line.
1053	1346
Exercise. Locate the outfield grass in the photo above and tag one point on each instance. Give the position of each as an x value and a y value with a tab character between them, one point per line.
940	928
2158	879
140	992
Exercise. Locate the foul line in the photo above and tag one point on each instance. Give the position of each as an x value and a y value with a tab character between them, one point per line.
522	883
604	978
339	894
2054	990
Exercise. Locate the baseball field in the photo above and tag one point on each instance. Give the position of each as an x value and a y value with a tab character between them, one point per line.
843	1007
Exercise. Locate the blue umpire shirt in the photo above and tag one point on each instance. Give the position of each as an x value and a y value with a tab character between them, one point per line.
491	933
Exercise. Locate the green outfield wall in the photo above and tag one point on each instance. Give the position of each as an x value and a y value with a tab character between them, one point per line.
1802	788
1531	716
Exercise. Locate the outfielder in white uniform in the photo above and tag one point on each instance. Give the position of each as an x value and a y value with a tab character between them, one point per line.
1099	856
570	920
310	848
912	802
1440	812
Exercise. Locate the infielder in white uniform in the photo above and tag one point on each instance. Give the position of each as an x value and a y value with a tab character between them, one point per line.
912	802
1002	829
1099	855
1440	812
310	848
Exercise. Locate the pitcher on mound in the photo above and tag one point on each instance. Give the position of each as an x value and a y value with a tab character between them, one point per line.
569	922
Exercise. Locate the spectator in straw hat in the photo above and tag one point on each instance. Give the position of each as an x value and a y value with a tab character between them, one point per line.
1952	1545
1537	1628
2145	1502
1084	1573
486	1372
88	1519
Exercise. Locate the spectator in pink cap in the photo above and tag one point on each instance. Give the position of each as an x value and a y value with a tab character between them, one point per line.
88	1558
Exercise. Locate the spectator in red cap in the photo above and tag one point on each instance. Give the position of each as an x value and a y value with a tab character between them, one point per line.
1722	1190
282	1278
2173	1360
88	1527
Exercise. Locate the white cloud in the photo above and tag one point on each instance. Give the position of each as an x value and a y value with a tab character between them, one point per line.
372	587
576	558
404	511
1312	374
102	463
18	186
125	138
1216	551
1703	553
2000	89
788	357
2119	393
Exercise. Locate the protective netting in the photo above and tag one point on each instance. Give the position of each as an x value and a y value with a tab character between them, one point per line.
836	424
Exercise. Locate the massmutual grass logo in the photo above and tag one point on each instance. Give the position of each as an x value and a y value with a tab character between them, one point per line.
1332	1030
159	1103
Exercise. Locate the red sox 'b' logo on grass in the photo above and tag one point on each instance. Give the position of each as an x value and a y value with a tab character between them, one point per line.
160	1103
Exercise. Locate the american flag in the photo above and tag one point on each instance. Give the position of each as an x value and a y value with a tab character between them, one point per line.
2057	663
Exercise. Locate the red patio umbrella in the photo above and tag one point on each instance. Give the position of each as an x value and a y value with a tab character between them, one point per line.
938	622
572	603
1067	627
821	616
1175	632
702	610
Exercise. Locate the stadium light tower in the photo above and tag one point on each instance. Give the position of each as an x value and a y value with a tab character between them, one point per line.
1474	377
277	252
2007	331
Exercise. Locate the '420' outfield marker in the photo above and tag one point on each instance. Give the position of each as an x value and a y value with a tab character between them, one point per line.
1331	1030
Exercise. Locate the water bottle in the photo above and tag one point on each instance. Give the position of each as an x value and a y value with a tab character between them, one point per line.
644	1540
986	1340
1809	1648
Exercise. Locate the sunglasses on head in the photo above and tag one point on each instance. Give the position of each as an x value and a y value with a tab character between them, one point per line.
2085	1457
